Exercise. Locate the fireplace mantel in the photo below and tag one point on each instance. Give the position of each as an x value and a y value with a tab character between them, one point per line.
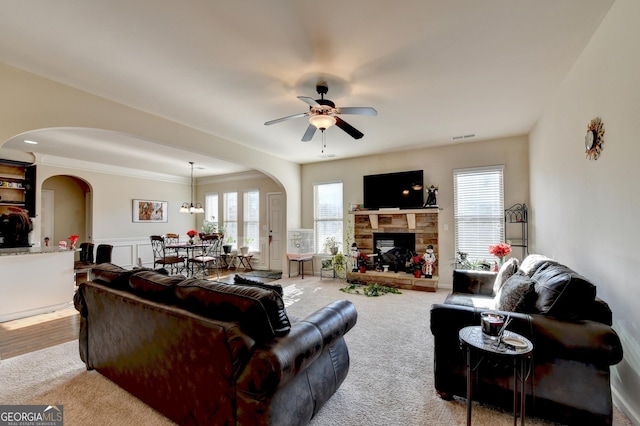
410	214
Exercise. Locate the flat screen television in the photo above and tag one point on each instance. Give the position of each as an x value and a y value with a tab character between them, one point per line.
403	190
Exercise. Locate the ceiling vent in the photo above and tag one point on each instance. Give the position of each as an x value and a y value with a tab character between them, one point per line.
469	136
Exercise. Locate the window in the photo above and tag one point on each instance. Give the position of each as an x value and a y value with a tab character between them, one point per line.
230	217
327	212
211	208
251	216
478	210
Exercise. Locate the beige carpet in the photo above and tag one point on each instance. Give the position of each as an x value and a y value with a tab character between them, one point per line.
390	381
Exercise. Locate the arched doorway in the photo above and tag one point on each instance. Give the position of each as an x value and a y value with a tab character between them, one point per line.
66	209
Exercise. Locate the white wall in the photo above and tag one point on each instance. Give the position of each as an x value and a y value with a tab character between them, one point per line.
438	165
586	212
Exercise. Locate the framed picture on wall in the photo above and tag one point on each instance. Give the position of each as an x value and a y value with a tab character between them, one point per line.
150	211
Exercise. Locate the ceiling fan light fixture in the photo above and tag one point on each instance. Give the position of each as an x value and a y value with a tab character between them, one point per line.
322	122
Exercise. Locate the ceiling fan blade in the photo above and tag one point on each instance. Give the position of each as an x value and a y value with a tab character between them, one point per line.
352	131
278	120
308	135
308	100
358	110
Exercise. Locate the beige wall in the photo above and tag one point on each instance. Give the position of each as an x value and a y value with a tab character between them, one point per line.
70	210
438	165
586	212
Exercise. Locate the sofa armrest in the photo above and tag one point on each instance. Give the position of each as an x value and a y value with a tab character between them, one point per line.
584	341
473	282
280	360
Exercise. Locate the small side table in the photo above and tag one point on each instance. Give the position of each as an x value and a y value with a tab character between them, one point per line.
472	341
301	261
244	261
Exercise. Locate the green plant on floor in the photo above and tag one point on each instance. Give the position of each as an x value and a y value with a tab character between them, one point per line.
339	262
369	290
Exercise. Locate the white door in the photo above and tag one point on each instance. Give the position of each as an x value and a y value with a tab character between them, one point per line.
275	216
46	217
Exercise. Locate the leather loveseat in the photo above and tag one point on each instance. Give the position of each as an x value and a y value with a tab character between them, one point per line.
570	328
203	352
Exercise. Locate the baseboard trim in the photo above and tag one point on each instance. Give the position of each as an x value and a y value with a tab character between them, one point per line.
622	403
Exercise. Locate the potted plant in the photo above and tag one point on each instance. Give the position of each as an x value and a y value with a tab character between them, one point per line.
244	250
417	262
209	227
331	245
363	261
228	244
339	262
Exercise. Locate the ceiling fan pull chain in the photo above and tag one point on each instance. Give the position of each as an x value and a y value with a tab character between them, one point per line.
324	141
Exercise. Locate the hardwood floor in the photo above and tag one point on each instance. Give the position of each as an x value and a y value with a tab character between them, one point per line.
38	332
42	331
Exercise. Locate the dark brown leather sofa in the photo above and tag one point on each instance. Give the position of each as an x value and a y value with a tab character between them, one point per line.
574	344
209	353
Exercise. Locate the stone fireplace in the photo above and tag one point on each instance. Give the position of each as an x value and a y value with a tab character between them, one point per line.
383	228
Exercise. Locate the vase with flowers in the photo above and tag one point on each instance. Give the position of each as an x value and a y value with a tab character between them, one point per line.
500	250
191	233
363	261
73	239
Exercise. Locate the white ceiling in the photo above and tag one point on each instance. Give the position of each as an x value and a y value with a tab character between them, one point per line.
433	69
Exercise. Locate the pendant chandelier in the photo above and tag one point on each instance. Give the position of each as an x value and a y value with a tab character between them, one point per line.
190	207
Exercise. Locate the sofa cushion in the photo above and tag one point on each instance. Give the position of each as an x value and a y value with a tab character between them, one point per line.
517	294
260	312
154	285
533	262
507	269
562	292
240	280
111	275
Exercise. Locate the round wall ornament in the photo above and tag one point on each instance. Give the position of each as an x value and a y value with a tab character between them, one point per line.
593	140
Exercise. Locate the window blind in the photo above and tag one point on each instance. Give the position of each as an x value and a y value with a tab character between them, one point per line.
251	218
478	210
230	216
328	208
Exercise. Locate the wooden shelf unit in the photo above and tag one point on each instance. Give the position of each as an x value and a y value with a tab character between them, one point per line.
17	186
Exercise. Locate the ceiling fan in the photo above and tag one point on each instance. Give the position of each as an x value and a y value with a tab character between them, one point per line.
324	114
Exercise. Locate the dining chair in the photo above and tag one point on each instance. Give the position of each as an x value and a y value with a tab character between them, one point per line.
210	256
103	253
169	239
164	259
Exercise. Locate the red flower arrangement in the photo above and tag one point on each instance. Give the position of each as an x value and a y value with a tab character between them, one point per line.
417	262
500	250
192	233
73	238
362	259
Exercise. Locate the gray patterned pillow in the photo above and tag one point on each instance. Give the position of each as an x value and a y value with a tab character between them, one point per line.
517	294
507	269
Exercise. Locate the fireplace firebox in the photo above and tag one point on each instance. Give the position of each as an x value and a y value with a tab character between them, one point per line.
395	248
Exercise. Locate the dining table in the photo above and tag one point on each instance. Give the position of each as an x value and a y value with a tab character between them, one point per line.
190	250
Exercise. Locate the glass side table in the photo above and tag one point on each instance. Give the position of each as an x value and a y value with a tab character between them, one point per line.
517	348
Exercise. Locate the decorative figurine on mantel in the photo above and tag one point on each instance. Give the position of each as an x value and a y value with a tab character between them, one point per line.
431	203
429	260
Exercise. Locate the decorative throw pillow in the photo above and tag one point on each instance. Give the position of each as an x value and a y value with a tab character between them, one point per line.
240	280
260	313
517	294
154	286
563	293
507	269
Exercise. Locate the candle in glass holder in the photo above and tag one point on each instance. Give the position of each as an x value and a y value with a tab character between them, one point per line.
491	323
